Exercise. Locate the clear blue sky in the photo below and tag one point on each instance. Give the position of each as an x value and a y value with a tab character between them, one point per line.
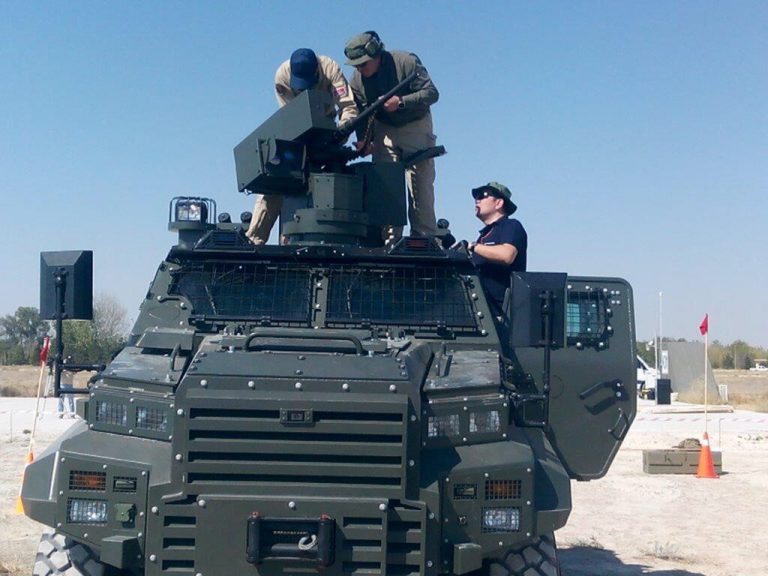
634	135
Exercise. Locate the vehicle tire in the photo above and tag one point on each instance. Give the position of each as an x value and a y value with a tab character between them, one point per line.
57	555
536	558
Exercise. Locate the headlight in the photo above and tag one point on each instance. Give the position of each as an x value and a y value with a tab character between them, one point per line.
501	519
111	413
86	511
484	421
444	425
191	211
151	419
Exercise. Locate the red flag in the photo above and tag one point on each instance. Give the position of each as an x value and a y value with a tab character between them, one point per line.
44	349
704	326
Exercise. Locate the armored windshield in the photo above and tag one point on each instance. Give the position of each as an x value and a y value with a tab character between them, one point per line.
297	294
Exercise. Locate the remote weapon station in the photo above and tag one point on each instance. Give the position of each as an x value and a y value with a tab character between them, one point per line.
331	405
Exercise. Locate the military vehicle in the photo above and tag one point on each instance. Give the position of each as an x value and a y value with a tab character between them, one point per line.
333	405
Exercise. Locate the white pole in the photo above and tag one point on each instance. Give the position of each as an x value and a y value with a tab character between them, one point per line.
661	346
706	365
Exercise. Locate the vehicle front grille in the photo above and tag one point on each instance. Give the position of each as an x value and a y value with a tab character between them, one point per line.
179	533
254	445
397	549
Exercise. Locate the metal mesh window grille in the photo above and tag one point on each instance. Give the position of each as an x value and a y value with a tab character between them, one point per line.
278	293
111	413
91	481
404	296
586	318
502	489
151	419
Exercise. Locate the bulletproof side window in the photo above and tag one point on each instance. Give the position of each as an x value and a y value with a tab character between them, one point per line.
587	318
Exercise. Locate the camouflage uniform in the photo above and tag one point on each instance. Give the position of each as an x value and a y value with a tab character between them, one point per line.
331	80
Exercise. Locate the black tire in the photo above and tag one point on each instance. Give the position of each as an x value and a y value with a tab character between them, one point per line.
57	555
536	558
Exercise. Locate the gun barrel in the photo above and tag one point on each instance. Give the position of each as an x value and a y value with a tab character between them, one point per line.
344	131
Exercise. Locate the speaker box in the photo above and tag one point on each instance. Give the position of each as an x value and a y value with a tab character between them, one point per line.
77	269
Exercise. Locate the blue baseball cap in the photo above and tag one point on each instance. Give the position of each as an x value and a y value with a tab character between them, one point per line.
303	69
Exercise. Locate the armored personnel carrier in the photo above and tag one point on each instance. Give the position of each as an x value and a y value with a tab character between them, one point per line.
332	405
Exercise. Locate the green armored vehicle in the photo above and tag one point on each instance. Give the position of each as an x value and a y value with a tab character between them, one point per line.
332	405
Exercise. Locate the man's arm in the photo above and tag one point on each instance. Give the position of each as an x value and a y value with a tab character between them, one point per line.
423	91
501	253
283	91
342	93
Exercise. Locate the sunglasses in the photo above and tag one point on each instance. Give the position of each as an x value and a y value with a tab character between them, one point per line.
486	194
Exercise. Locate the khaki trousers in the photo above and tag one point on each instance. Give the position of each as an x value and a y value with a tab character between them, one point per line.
265	213
390	144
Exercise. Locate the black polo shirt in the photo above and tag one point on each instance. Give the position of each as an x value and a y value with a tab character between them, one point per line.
494	276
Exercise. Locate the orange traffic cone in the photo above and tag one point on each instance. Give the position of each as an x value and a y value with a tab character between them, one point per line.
706	466
27	461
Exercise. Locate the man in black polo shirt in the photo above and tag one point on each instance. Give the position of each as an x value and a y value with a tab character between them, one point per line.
503	243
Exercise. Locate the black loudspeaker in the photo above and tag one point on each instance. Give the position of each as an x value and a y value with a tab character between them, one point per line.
525	308
663	391
76	269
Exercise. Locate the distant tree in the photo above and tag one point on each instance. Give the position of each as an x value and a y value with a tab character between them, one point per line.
21	333
739	351
749	361
728	361
110	324
96	341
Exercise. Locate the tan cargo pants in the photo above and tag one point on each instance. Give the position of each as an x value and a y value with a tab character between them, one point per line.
390	144
265	213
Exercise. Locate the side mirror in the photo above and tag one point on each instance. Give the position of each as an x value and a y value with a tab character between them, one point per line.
70	272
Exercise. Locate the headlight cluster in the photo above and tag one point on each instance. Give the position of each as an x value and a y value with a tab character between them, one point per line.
468	421
86	511
134	415
504	519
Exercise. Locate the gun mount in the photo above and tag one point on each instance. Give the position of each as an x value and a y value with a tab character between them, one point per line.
299	153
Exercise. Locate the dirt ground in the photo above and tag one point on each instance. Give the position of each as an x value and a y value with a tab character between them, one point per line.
626	524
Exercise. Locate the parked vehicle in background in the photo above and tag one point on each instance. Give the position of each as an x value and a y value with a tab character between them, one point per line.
646	379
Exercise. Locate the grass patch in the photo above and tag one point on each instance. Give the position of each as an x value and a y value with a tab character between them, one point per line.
753	402
666	551
590	542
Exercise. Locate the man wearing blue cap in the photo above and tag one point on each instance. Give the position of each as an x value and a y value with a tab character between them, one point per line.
303	71
502	246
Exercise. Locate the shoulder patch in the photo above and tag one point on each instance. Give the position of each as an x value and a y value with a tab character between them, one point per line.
341	91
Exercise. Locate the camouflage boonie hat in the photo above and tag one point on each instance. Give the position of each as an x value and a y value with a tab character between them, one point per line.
497	191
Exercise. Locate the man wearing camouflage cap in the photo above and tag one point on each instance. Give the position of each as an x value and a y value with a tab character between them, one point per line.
502	246
403	126
303	71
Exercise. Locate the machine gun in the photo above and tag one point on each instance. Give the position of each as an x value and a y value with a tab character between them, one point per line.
298	153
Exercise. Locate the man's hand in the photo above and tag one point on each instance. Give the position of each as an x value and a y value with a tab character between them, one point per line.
392	104
364	148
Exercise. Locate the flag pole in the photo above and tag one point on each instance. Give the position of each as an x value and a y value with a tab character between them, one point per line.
706	365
